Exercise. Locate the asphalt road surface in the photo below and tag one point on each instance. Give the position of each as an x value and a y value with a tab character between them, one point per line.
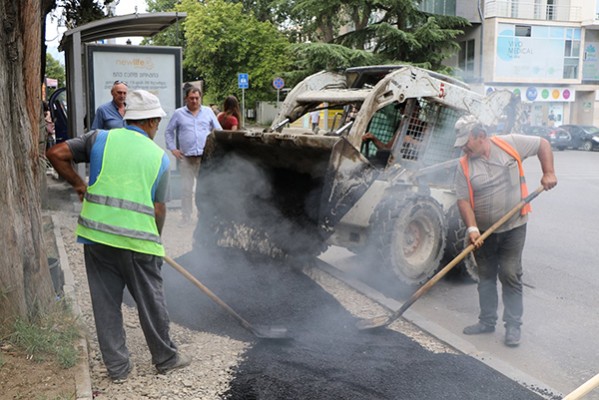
560	344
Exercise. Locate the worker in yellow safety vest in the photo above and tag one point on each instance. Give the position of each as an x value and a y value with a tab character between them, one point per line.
123	212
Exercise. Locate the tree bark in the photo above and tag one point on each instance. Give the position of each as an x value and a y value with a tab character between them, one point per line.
25	283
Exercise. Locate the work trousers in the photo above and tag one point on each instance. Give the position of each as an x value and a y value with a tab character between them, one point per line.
109	270
190	168
501	256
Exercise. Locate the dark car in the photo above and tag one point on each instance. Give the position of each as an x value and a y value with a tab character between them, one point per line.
558	137
585	137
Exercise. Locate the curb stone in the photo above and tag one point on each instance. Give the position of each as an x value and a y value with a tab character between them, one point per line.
83	384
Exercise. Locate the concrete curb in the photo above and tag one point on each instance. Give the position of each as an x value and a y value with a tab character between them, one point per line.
83	384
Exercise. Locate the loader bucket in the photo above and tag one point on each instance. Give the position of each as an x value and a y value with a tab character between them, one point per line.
261	191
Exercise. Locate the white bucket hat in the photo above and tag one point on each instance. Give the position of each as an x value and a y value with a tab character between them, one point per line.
142	104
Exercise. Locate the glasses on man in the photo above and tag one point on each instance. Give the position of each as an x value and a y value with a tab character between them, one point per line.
119	83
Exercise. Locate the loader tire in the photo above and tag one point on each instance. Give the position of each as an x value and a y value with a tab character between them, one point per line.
410	233
456	236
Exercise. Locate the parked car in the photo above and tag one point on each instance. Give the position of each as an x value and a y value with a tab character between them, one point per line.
585	137
558	137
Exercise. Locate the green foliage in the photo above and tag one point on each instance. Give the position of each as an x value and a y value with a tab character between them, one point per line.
80	12
171	36
55	70
310	58
224	40
405	34
274	11
51	334
161	5
221	38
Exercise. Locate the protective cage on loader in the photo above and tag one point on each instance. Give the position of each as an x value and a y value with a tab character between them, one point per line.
287	191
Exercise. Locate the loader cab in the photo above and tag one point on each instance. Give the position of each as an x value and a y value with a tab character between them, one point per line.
385	127
418	134
404	128
425	141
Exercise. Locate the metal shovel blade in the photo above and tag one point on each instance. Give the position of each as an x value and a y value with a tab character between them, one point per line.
271	332
373	323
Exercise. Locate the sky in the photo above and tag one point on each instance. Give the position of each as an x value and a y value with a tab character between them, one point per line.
54	32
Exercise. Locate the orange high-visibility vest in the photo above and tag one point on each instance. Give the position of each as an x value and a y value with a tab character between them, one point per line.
503	145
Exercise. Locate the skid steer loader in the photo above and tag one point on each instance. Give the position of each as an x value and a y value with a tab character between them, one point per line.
286	191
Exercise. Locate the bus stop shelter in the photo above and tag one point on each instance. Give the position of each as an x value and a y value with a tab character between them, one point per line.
73	43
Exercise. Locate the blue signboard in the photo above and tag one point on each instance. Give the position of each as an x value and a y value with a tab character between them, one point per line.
243	80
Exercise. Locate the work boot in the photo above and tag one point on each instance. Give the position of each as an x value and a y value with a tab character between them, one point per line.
123	378
478	328
512	336
182	362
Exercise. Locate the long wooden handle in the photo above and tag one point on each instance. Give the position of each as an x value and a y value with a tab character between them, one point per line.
207	291
583	389
425	288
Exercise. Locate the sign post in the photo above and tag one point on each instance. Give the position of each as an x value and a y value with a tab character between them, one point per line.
278	84
243	81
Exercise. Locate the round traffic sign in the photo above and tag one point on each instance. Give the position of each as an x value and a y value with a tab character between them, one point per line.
278	83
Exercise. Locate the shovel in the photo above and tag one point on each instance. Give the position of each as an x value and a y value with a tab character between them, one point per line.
382	321
261	332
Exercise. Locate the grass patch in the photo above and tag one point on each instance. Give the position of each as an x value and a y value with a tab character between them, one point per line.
49	336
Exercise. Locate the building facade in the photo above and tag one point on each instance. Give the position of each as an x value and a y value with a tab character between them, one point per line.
545	51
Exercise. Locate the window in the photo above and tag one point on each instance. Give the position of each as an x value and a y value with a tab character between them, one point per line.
537	9
442	7
523	30
466	58
571	53
514	9
551	9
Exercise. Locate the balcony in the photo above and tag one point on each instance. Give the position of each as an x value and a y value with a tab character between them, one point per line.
540	10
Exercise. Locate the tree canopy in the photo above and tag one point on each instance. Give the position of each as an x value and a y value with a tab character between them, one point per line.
329	34
54	69
79	12
223	40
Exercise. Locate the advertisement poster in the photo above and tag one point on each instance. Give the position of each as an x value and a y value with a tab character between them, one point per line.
155	69
535	52
590	63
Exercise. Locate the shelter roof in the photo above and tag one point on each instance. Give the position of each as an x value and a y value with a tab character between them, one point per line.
145	25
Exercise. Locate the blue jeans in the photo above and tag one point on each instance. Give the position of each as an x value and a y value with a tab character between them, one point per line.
501	256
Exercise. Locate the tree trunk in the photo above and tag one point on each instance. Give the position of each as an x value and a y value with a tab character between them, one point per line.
25	283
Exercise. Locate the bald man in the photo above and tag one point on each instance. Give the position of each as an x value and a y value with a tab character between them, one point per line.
110	115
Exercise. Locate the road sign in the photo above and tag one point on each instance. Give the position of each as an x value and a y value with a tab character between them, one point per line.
278	83
243	81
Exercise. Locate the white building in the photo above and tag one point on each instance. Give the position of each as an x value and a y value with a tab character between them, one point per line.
547	51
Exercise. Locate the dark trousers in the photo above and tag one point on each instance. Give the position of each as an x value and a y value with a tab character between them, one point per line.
501	256
108	271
